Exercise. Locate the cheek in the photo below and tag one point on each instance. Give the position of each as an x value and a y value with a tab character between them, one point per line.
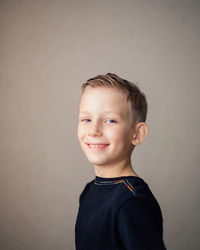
81	132
120	136
116	135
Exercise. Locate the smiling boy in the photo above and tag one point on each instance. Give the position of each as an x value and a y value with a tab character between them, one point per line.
117	210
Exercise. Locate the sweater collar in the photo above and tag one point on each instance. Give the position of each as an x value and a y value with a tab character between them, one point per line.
113	180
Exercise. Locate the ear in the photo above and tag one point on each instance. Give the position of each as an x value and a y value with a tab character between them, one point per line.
140	133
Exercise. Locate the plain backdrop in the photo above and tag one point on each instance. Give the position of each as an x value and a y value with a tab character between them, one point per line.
47	50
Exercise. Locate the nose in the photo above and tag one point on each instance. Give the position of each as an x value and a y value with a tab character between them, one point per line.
95	129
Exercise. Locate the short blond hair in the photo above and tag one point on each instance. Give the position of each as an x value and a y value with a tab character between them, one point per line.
136	97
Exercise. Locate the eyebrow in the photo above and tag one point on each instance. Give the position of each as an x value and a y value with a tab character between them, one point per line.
107	112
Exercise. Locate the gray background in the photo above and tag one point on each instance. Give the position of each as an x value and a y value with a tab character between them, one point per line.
47	50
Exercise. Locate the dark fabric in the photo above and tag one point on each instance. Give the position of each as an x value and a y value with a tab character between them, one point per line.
118	214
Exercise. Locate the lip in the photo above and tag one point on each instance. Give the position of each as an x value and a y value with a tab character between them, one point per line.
97	149
97	143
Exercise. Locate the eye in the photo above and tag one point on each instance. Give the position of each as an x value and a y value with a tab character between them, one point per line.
112	121
86	120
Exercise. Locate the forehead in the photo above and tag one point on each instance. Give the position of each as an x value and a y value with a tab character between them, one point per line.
105	99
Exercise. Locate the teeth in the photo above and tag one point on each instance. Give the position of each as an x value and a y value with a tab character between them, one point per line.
96	146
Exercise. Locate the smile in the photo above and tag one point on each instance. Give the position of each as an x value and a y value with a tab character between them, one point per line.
97	146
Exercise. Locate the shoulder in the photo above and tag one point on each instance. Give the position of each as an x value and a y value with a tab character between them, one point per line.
85	190
142	194
141	209
140	205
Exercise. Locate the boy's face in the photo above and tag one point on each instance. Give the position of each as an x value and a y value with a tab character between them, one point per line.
105	117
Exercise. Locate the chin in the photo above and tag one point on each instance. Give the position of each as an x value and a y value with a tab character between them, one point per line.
96	161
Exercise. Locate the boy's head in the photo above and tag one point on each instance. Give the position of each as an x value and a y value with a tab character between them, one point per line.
112	114
135	96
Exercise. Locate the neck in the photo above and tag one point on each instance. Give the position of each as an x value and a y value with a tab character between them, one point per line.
115	171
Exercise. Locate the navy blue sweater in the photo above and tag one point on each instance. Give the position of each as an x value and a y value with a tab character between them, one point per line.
118	214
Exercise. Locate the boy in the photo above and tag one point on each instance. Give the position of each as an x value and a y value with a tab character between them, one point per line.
117	210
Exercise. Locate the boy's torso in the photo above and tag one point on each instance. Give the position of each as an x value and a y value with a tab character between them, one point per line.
96	224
